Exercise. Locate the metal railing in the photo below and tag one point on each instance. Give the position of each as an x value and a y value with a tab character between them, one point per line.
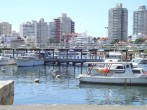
82	46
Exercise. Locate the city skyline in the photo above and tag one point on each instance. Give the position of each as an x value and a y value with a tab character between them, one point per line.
89	16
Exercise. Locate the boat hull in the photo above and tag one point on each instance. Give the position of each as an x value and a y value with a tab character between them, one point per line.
29	62
114	81
7	62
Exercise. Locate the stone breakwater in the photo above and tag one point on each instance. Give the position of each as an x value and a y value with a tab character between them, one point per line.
6	92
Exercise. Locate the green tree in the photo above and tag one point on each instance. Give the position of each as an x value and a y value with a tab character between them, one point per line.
113	42
131	42
98	38
139	41
94	39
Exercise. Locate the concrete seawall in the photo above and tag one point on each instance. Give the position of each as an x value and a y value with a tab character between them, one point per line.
6	92
72	107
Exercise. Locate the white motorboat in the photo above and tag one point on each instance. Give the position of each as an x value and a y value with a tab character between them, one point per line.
140	62
30	59
114	73
6	60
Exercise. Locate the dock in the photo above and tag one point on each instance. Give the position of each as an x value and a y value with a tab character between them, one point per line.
95	50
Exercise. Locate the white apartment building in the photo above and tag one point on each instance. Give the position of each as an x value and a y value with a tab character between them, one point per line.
65	24
42	33
118	23
27	29
37	29
140	20
5	28
7	39
81	40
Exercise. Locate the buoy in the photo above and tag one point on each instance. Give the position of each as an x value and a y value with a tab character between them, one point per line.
3	69
54	73
58	76
105	70
36	80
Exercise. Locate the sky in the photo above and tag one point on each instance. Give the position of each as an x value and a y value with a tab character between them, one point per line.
90	16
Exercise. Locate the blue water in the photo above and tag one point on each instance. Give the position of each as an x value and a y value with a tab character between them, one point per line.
67	89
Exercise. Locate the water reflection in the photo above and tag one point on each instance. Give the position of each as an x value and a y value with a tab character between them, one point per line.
66	89
115	95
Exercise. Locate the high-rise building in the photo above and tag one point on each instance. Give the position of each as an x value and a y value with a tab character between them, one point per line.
27	29
140	20
51	29
42	33
5	28
57	29
118	23
37	29
72	26
62	26
65	24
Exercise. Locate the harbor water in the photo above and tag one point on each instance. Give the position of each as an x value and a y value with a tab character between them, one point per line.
66	88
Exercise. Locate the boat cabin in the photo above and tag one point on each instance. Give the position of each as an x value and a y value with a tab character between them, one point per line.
140	62
116	68
113	57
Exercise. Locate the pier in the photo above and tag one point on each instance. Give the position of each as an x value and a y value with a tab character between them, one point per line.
52	46
66	57
96	51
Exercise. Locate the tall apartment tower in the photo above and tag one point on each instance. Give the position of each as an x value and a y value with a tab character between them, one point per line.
72	26
118	23
51	28
57	27
37	29
65	24
60	27
42	33
27	29
140	20
5	28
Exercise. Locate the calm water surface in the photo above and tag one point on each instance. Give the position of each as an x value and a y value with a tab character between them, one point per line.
67	89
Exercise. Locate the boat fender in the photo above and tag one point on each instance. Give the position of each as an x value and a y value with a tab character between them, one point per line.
105	70
100	70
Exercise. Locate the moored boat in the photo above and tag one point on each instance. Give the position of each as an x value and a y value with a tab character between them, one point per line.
6	60
114	73
113	57
140	62
30	59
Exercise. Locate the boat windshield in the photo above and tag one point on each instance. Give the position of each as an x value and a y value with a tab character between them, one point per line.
114	57
136	60
143	62
140	61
